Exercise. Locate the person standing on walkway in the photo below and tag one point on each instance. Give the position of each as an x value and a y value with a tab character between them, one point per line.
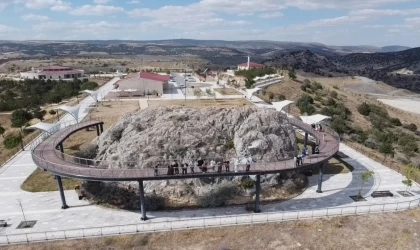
227	166
219	167
192	167
295	163
236	166
213	165
156	170
184	168
176	167
169	170
248	164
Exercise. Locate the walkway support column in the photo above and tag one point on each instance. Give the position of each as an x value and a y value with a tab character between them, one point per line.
257	194
305	142
142	201
102	127
60	187
98	133
320	176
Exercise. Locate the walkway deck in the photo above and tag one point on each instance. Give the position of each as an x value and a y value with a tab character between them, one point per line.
46	157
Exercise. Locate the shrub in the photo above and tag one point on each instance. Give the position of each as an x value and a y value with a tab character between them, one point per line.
329	102
230	144
116	134
316	86
154	202
11	141
395	122
20	117
52	112
281	97
138	127
217	197
371	143
411	127
247	183
364	109
334	94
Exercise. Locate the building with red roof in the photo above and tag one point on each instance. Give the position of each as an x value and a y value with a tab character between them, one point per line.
143	83
53	73
249	65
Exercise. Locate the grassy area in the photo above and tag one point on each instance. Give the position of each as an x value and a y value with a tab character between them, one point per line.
224	103
375	231
40	181
227	91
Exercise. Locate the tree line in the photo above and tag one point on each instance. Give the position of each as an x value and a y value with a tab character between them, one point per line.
33	92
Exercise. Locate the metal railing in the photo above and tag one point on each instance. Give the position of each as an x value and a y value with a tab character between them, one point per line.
98	169
151	226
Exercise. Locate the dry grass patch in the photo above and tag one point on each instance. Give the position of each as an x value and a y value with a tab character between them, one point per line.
40	181
227	91
224	103
376	231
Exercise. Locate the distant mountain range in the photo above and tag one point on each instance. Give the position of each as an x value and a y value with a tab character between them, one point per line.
186	47
379	63
384	67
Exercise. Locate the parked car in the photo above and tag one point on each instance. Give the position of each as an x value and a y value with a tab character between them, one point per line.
3	223
181	85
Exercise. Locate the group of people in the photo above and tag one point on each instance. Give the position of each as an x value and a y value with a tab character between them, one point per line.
204	166
298	159
317	126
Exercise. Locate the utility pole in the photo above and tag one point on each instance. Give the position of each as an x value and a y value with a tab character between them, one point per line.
21	207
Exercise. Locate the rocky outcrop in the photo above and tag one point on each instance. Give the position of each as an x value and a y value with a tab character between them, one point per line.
142	138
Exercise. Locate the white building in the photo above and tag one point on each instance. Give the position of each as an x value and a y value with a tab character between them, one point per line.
53	73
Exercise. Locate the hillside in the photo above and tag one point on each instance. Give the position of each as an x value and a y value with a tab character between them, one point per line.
377	66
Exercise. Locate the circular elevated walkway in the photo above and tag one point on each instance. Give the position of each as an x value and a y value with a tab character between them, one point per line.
47	157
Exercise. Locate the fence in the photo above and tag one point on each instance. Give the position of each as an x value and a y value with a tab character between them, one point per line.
205	222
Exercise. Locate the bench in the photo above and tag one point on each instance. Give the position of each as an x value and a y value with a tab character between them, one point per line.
382	194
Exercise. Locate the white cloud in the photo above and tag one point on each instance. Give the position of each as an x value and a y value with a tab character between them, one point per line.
54	5
7	29
271	15
96	10
384	12
32	17
101	1
81	29
133	2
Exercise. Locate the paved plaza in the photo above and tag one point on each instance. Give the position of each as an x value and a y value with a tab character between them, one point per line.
45	207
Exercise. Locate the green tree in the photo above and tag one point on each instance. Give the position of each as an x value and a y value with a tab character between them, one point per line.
198	93
292	74
365	176
249	82
167	71
386	149
364	109
408	183
2	131
20	117
38	113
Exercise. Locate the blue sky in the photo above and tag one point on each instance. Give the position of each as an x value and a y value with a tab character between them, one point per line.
333	22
